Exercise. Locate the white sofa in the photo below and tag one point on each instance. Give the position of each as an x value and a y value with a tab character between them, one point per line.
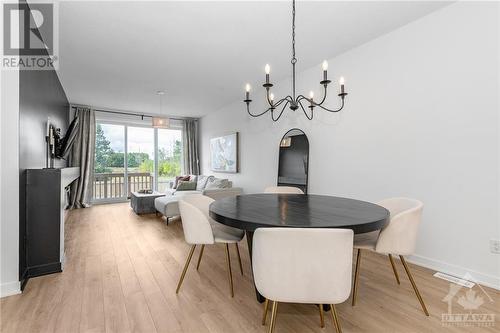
206	185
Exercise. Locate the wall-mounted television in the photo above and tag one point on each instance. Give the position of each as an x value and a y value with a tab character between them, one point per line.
58	146
63	145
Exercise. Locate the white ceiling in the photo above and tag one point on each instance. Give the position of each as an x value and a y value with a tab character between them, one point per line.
118	54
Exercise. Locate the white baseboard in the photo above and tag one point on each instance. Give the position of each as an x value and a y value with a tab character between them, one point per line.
480	278
10	288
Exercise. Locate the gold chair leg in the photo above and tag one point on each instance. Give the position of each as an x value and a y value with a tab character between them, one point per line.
407	269
356	274
239	257
394	268
266	307
199	258
230	274
185	268
335	318
321	316
273	316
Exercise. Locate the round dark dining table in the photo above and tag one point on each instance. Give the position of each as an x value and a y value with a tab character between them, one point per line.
252	211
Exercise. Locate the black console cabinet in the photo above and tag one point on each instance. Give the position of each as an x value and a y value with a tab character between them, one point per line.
46	193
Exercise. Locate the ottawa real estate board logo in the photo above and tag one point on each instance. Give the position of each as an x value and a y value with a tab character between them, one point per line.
29	36
465	306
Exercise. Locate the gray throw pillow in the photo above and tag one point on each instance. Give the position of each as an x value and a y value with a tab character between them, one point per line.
186	186
217	183
202	182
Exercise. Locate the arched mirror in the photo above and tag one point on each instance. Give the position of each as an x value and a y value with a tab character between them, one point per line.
294	160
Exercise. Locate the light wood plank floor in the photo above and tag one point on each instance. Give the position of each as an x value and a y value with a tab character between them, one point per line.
122	270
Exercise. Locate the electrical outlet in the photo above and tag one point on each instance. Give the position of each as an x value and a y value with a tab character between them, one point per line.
495	246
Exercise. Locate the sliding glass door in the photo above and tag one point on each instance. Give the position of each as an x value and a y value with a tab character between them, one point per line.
109	165
131	158
169	157
140	158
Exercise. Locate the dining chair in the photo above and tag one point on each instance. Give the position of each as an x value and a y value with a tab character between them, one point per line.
200	229
283	189
303	265
398	237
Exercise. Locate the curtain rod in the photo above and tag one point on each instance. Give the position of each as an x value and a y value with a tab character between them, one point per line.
127	113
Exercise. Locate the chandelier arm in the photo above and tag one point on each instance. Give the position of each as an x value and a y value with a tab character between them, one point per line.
255	115
337	110
305	112
287	98
275	104
324	96
281	112
300	97
279	102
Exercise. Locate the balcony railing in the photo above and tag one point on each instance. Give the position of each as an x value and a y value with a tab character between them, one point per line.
111	185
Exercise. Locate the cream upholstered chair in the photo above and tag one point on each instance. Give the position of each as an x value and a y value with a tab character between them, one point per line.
283	189
200	229
303	265
398	237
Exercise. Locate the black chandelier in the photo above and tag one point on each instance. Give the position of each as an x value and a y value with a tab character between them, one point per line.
295	101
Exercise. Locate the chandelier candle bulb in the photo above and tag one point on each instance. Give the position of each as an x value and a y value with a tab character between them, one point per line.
325	70
247	93
267	69
311	100
341	82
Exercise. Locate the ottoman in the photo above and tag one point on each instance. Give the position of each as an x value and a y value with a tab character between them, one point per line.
143	203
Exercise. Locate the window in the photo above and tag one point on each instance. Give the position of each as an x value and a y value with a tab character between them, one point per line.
169	156
140	158
109	164
153	159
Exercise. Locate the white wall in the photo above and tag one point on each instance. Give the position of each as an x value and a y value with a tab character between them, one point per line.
9	183
421	121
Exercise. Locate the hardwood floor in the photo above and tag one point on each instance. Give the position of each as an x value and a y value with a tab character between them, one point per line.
122	269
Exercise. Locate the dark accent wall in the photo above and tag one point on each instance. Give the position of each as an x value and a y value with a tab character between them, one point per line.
41	96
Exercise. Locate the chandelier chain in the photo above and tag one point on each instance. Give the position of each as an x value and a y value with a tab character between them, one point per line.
294	59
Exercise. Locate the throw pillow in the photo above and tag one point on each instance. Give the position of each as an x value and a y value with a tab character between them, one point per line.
202	182
180	178
186	186
217	183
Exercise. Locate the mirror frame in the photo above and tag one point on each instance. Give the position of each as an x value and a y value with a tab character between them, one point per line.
307	162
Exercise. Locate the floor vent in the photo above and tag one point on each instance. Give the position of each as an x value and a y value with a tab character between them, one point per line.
454	279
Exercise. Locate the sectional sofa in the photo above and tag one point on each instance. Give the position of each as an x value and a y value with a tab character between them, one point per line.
210	186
